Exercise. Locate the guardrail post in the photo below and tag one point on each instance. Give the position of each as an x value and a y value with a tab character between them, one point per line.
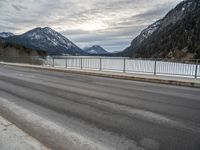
81	63
155	65
65	62
196	69
43	61
100	64
53	62
124	70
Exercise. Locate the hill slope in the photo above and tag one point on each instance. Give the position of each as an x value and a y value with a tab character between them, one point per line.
177	35
15	50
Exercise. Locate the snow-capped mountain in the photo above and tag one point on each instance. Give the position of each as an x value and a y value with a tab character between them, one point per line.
174	34
48	40
96	49
146	33
179	12
6	34
172	17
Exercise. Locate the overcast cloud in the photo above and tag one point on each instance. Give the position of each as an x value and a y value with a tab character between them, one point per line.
109	23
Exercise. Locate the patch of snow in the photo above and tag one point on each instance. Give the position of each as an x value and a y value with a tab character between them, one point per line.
93	51
61	40
12	137
69	44
35	36
149	31
55	42
6	34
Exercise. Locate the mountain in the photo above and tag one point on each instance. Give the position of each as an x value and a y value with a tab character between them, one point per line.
6	34
15	50
96	49
47	40
177	35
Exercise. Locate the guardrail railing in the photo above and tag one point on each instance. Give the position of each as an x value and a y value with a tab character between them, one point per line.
169	67
175	67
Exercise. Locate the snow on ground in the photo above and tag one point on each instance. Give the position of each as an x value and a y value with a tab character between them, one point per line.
12	138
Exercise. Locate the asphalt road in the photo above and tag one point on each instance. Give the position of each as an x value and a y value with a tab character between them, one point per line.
72	111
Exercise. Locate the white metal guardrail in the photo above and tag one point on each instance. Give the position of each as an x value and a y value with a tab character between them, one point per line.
170	67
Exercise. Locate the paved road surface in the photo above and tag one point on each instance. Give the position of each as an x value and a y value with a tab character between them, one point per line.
71	111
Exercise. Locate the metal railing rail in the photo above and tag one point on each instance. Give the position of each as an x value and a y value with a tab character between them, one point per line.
169	67
175	67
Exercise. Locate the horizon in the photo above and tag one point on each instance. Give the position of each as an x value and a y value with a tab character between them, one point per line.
112	25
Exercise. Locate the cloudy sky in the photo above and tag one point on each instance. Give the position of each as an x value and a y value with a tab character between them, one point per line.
109	23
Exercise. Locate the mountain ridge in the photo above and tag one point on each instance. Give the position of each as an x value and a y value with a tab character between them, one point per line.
6	34
95	49
48	40
176	36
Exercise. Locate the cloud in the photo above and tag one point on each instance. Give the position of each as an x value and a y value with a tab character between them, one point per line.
17	7
112	23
